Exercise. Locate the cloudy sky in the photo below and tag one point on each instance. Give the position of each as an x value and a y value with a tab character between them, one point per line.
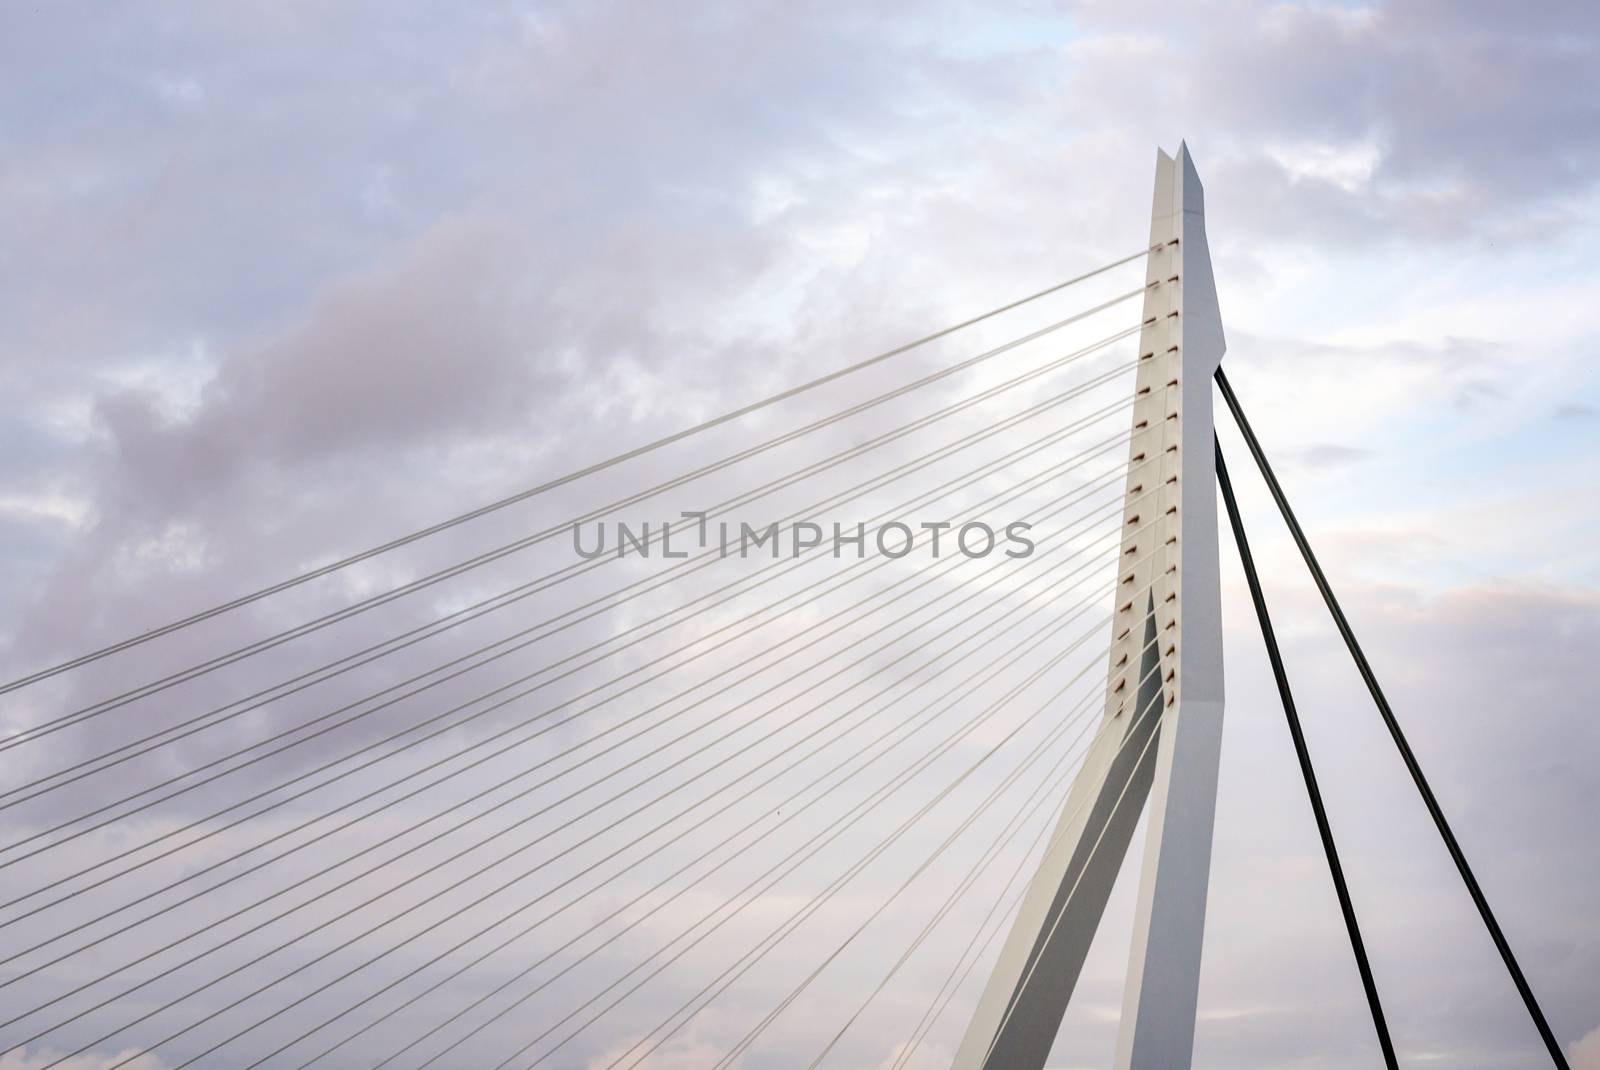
281	281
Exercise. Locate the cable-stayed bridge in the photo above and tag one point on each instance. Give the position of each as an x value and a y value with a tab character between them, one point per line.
857	691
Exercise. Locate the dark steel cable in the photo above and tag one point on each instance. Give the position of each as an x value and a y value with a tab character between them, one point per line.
1440	822
487	557
1280	675
524	495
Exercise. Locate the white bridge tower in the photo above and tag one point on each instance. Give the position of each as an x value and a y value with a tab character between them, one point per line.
1159	739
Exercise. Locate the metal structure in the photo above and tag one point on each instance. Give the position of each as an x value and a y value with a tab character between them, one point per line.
1159	739
830	739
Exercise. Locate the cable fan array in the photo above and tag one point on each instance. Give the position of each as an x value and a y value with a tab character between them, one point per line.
516	807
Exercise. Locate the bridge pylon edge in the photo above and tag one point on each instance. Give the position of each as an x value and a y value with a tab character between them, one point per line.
1159	739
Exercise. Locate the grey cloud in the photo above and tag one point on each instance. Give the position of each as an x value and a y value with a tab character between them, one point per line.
1476	116
1458	668
428	257
1477	393
478	329
1576	410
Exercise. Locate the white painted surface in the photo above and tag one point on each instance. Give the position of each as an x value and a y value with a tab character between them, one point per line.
1171	470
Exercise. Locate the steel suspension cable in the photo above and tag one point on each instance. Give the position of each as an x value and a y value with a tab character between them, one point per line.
541	488
1413	766
1038	955
705	559
1042	793
439	836
462	881
988	675
228	861
724	980
948	989
958	973
1084	422
481	899
1031	643
816	902
237	874
809	852
431	579
772	1016
906	732
995	429
75	772
1067	501
280	915
1280	676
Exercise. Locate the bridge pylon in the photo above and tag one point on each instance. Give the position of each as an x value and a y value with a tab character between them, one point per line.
1159	740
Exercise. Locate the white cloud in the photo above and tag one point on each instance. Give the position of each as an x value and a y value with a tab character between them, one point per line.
504	244
1348	166
1584	1053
